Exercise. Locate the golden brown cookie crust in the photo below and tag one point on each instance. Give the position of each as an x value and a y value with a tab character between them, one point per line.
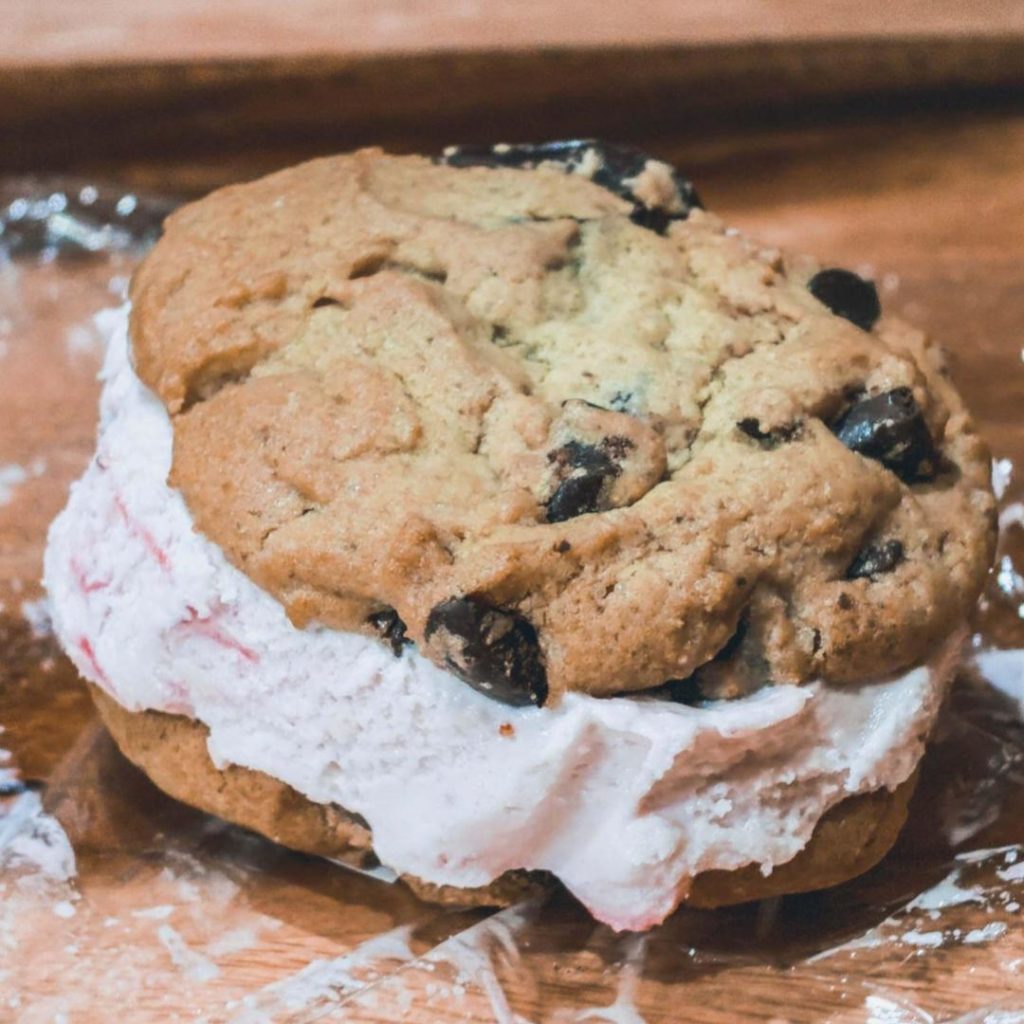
377	369
171	749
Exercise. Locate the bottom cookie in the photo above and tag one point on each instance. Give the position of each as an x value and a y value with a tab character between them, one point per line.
850	839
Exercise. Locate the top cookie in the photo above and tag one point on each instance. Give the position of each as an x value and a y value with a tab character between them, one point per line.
555	425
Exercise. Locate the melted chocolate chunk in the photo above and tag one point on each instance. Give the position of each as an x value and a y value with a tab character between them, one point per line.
890	428
391	628
618	166
876	559
589	468
525	156
848	295
495	651
770	438
576	496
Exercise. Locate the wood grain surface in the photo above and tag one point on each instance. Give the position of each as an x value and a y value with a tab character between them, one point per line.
150	85
155	120
54	31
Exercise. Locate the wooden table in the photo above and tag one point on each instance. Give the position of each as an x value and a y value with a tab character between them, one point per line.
54	32
900	156
198	91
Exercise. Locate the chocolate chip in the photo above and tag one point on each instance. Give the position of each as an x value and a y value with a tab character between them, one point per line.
848	295
495	651
391	628
587	469
876	559
592	458
617	447
770	439
618	165
569	152
845	601
654	218
577	496
890	428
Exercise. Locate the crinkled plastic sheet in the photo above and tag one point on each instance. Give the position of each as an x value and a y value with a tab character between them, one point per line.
116	900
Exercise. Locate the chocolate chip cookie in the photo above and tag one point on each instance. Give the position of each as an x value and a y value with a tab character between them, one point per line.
537	412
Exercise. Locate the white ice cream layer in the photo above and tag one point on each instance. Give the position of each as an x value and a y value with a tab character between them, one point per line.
625	799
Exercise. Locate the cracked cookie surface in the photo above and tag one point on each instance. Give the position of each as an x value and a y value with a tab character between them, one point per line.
408	398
